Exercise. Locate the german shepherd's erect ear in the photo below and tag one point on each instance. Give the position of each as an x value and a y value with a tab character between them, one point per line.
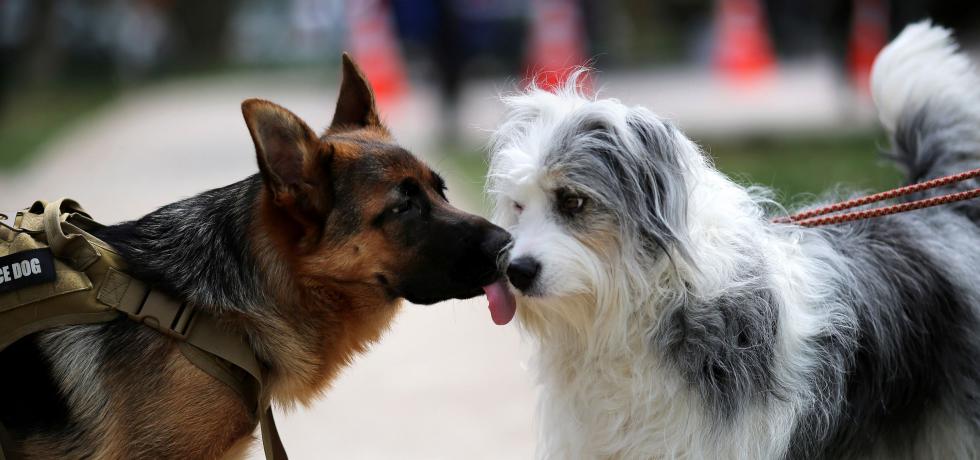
289	157
355	104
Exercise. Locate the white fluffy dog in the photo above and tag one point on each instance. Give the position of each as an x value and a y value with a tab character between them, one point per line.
672	319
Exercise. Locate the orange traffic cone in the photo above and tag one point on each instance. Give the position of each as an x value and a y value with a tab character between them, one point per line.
869	33
374	45
557	45
743	51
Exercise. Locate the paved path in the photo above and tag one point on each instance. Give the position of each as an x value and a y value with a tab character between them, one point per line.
445	383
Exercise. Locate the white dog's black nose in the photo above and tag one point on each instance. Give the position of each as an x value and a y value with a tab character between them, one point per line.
522	272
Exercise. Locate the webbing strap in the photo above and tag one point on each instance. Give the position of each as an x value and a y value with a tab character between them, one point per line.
74	247
206	335
144	305
204	340
7	451
215	350
270	436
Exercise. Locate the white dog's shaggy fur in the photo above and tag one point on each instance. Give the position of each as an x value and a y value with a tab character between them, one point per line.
672	319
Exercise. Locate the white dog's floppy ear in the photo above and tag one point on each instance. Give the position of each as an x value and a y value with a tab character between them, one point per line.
662	182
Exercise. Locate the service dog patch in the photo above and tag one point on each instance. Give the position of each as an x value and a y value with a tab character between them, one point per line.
26	268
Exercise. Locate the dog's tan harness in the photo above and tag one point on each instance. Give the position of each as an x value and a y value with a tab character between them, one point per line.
91	286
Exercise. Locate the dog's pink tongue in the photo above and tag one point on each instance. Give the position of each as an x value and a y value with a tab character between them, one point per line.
502	303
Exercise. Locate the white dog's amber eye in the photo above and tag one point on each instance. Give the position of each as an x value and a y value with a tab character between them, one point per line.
518	207
572	204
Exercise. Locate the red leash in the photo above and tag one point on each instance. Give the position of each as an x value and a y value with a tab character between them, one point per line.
817	217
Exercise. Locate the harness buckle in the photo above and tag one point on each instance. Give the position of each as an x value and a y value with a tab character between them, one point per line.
148	306
163	313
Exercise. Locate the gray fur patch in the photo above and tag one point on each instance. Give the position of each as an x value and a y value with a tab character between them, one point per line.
724	346
630	170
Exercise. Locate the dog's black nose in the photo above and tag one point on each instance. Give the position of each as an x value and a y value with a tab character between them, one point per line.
494	243
522	272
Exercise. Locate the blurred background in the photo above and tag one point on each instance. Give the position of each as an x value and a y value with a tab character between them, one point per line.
126	105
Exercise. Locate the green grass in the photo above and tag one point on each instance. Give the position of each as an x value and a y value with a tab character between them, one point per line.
796	168
799	168
33	116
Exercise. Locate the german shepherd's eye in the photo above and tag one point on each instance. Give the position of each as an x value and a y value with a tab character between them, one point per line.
408	190
571	204
401	207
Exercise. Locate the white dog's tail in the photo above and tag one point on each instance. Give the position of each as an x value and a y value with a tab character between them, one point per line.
928	98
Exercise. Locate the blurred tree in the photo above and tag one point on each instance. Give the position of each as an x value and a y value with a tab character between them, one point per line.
31	56
200	30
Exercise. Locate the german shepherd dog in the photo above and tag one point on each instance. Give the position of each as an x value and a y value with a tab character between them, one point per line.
309	259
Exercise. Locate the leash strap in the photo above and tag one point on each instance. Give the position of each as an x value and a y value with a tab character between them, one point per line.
888	210
812	217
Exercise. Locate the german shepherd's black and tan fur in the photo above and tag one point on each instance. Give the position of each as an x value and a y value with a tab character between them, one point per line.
309	259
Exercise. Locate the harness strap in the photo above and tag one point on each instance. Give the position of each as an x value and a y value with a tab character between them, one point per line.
204	342
144	305
73	247
214	349
271	441
30	220
7	451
